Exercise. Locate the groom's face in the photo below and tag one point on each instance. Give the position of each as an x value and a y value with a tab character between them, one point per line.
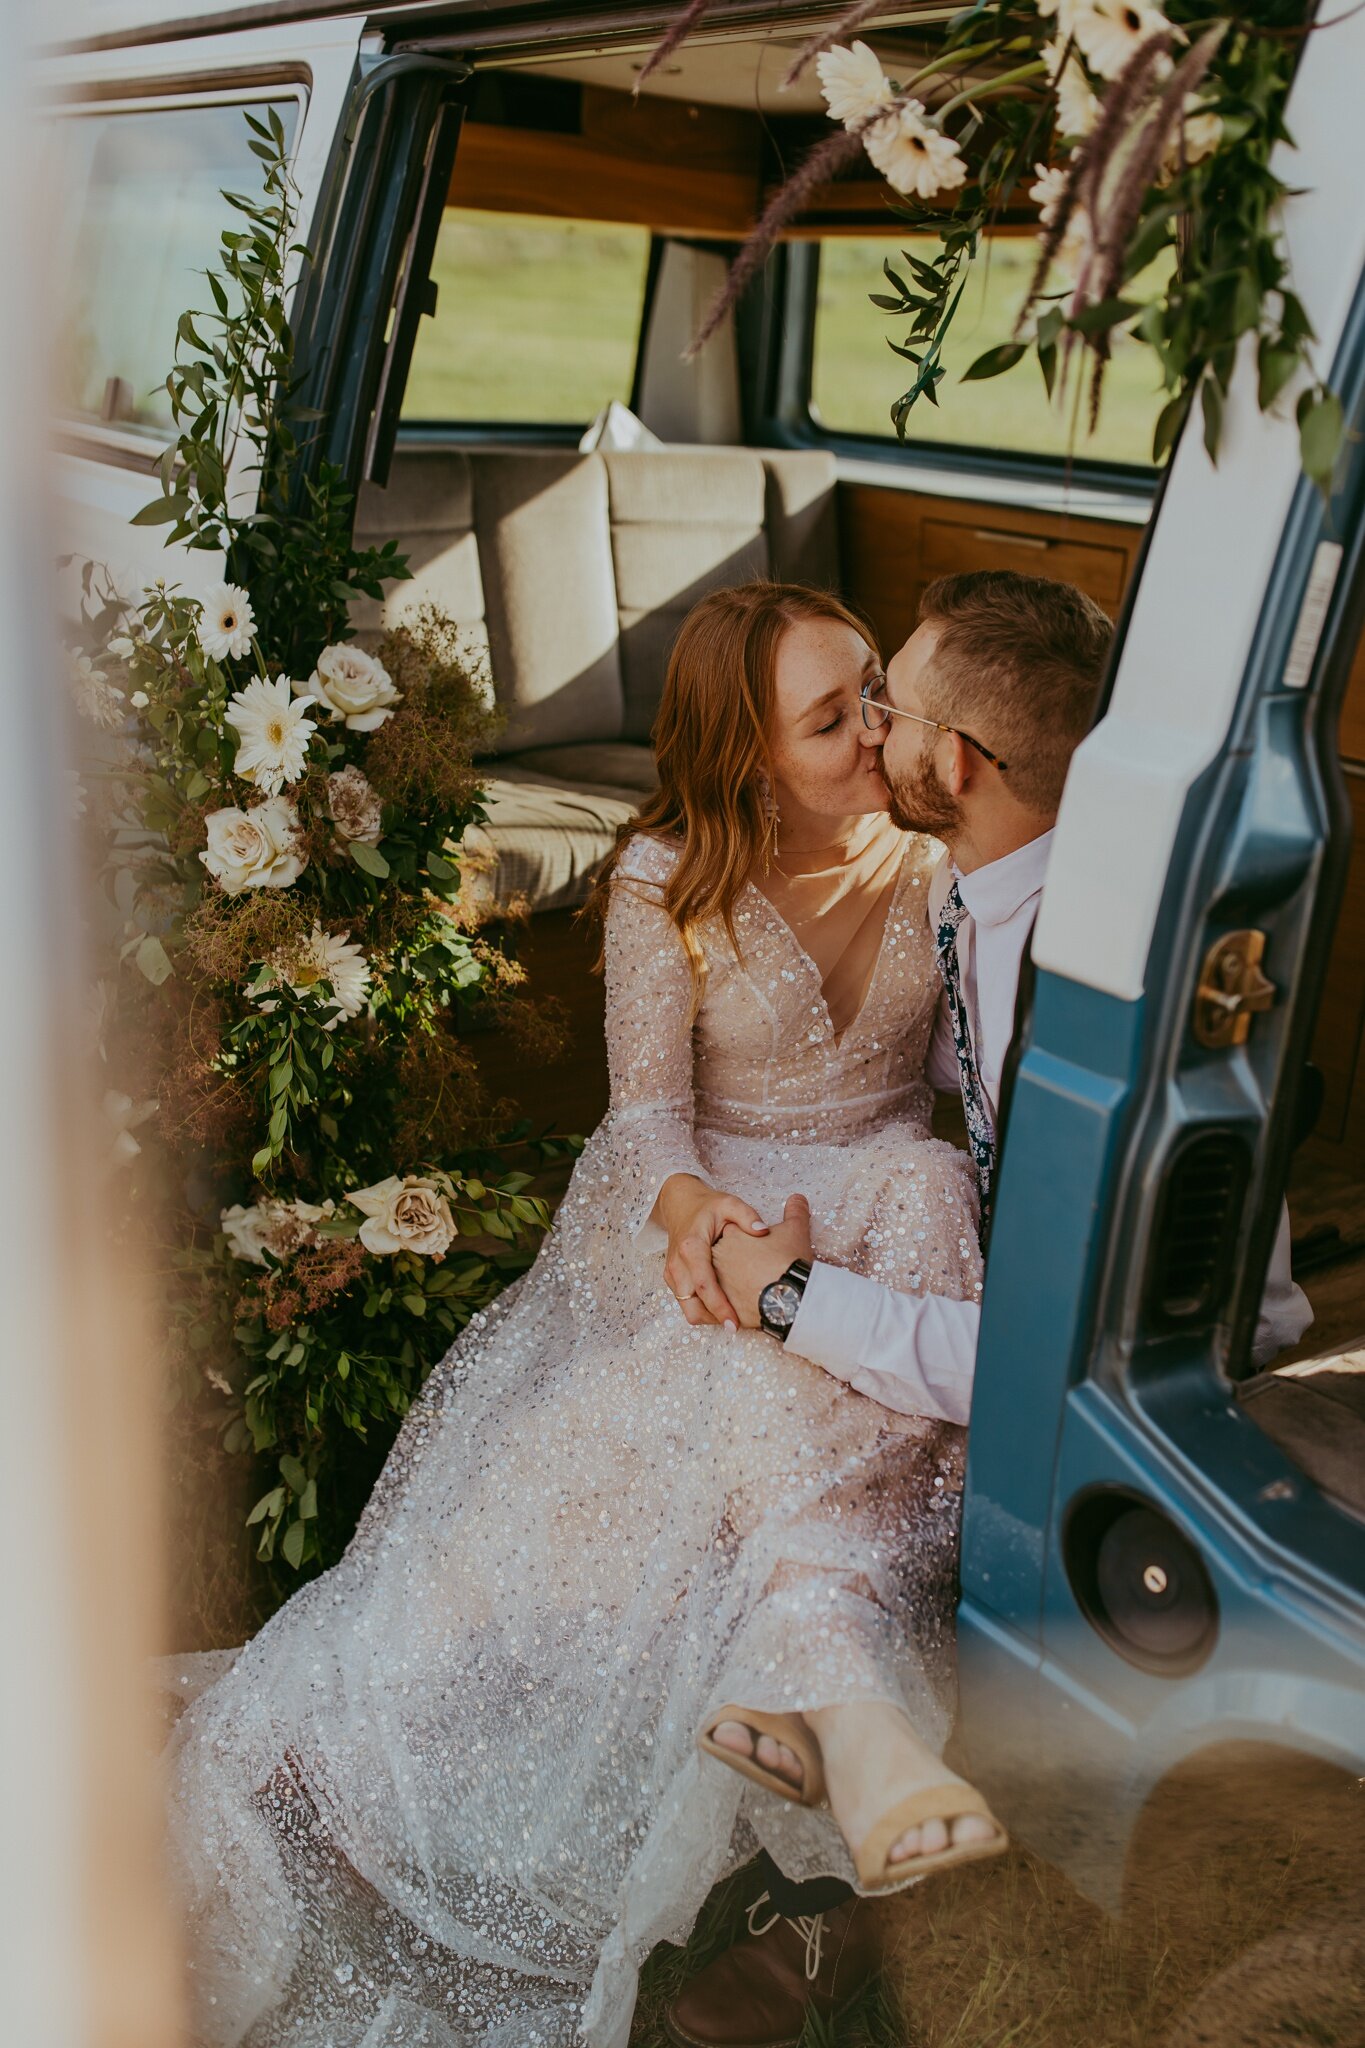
921	800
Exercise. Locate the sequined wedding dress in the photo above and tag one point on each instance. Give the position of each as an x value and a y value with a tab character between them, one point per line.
450	1793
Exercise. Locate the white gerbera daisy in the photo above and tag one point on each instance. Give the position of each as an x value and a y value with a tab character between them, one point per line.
325	956
1077	107
274	730
226	623
1047	193
1065	11
1202	133
853	83
913	156
1109	31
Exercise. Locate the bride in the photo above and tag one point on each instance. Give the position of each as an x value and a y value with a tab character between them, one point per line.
459	1786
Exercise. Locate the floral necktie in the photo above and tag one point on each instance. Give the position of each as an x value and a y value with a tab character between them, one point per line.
980	1131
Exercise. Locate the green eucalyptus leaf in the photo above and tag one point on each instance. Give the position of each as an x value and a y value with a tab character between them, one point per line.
292	1545
995	361
1321	431
153	960
370	859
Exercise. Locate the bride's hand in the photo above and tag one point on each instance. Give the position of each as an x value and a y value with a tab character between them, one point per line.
694	1215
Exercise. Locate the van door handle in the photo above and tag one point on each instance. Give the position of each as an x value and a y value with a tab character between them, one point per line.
1232	989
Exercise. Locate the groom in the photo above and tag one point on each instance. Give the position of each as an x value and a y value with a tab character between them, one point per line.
977	718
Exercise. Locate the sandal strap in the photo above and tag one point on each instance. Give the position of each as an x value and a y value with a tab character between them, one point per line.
949	1800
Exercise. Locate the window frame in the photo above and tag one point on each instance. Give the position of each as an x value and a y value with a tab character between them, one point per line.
119	444
784	412
437	433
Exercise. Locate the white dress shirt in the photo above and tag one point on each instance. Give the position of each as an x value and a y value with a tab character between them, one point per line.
917	1353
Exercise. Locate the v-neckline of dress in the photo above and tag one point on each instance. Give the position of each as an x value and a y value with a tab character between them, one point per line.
833	1037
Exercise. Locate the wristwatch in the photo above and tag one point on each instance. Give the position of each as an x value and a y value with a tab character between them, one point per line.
781	1298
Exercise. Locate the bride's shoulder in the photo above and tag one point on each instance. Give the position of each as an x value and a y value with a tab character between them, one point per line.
924	857
646	859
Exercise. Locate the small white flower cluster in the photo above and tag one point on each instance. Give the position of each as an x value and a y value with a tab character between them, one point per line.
273	1226
906	145
411	1214
1101	37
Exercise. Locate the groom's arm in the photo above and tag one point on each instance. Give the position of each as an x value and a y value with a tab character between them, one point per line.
915	1353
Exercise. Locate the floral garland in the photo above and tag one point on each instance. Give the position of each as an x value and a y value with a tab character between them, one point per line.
300	1123
1138	131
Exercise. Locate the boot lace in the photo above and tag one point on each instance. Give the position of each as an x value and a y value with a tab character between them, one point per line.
811	1926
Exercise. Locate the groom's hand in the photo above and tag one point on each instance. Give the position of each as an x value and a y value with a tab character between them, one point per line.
745	1265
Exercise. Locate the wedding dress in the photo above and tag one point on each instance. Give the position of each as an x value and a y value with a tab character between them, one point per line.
450	1793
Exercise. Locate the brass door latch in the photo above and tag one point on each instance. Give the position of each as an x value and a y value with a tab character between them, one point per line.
1231	988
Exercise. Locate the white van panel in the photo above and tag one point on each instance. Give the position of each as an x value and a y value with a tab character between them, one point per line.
1213	546
97	495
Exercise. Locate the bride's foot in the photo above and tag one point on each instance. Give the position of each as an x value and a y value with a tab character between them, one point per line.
775	1750
765	1750
901	1811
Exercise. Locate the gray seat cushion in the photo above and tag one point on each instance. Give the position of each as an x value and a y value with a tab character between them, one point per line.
617	764
544	840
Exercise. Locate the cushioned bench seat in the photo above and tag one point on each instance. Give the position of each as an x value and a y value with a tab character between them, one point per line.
572	573
546	835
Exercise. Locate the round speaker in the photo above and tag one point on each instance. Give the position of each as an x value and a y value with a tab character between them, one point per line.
1141	1583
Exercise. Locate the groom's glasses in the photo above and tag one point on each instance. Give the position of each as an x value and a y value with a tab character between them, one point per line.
877	712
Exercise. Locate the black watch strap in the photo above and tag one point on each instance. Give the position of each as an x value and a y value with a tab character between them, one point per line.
781	1298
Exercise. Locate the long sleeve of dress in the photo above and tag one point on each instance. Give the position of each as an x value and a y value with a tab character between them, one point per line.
649	1039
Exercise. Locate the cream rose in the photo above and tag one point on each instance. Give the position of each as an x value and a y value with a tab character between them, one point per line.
409	1215
255	849
352	686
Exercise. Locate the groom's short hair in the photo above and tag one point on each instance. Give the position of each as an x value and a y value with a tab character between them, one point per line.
1018	665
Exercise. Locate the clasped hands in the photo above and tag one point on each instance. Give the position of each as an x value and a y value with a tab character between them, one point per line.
721	1254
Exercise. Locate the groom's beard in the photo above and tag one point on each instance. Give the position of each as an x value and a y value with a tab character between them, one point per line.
922	802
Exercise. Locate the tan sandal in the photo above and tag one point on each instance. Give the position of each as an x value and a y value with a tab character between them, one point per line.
948	1800
785	1728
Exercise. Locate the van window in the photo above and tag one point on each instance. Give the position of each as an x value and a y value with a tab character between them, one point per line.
856	378
537	321
143	215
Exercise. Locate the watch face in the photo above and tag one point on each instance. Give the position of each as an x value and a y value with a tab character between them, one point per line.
779	1303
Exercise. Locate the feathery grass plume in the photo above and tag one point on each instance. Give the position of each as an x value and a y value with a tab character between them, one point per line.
827	158
849	22
1089	162
680	31
1115	221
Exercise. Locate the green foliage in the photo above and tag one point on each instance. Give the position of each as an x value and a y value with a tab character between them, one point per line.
295	962
1216	207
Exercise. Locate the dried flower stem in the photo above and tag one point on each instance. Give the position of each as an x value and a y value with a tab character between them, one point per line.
680	31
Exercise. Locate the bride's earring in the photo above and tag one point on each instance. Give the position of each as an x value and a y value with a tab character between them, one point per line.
771	815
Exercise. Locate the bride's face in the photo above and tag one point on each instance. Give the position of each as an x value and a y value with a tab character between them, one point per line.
823	754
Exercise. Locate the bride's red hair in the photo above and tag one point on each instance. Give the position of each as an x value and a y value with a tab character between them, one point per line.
712	750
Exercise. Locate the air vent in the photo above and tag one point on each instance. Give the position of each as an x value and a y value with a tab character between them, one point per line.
1198	1215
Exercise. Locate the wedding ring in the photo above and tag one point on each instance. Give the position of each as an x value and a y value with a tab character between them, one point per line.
688	1296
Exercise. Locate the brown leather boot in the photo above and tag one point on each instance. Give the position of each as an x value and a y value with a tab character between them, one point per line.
758	1993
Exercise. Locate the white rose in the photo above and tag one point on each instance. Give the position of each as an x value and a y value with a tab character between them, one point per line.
409	1215
353	686
255	849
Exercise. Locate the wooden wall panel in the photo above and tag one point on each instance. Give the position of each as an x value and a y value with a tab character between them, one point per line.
1352	732
1337	1044
894	542
649	166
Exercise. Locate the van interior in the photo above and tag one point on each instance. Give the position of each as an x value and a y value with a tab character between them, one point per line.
585	233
